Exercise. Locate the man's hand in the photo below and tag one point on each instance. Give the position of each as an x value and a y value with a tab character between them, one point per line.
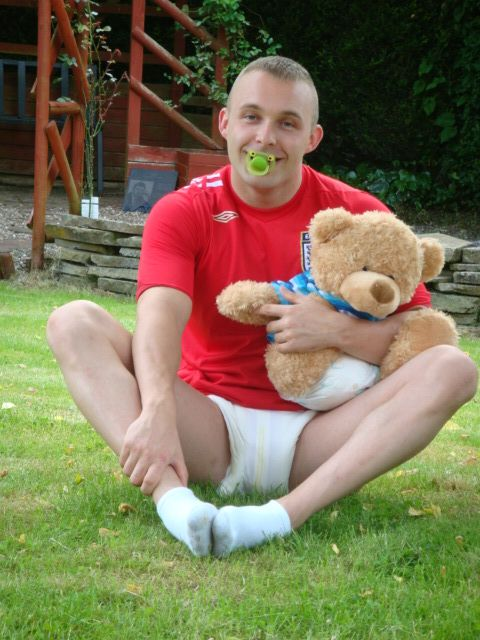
307	324
150	446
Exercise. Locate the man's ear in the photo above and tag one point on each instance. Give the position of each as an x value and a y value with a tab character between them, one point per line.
315	138
223	122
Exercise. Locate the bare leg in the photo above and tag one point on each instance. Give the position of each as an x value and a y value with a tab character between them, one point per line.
342	450
95	355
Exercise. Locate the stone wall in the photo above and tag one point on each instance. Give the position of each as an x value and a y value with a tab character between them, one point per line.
101	254
104	254
457	289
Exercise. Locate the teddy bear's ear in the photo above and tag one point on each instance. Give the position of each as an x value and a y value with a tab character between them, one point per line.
433	258
328	223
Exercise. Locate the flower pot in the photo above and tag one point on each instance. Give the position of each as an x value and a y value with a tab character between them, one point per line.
90	207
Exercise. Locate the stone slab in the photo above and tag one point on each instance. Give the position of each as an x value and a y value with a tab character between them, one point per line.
114	274
441	278
83	246
71	269
452	246
464	266
92	236
472	254
117	286
75	281
132	241
457	287
132	253
452	303
467	277
74	255
466	319
102	224
115	261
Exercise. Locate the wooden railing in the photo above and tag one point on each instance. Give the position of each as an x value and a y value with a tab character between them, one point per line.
141	41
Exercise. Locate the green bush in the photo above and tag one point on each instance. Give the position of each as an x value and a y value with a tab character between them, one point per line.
399	92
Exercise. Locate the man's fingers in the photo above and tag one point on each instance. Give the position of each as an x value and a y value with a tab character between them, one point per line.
151	480
291	296
137	476
128	465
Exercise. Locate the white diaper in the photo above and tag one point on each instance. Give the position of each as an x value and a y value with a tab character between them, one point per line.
346	378
262	445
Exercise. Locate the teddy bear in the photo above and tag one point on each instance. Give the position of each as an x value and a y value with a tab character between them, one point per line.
365	265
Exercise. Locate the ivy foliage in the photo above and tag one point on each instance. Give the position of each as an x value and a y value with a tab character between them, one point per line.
246	41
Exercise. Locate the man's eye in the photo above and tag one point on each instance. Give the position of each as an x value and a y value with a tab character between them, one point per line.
250	116
288	124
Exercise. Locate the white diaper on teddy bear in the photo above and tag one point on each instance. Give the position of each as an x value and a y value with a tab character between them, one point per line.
346	378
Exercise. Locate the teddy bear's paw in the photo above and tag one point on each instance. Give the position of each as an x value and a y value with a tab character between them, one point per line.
242	300
421	330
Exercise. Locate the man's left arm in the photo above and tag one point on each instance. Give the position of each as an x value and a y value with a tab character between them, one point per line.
310	323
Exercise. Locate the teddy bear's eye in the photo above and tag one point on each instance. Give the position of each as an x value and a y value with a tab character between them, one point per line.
365	269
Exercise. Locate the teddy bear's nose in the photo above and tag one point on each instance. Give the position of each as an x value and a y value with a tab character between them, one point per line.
382	292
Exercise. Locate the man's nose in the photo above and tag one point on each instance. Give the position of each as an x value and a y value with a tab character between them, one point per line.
266	133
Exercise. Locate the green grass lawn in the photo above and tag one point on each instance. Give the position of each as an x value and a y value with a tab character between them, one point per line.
397	560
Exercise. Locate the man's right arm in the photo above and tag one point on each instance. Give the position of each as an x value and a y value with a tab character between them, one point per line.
152	443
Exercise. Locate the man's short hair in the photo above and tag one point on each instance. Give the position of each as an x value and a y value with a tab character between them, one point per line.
284	69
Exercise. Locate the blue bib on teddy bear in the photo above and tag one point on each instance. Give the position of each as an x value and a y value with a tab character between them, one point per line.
304	284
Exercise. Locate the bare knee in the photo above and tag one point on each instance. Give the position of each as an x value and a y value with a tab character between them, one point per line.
68	324
453	375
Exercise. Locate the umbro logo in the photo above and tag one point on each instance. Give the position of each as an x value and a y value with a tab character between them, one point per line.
225	216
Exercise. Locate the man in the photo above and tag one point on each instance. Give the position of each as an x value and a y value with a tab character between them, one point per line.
187	396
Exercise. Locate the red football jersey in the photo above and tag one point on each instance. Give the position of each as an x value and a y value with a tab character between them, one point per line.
203	237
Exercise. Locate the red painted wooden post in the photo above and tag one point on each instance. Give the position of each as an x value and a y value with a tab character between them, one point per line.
174	136
136	74
220	66
41	143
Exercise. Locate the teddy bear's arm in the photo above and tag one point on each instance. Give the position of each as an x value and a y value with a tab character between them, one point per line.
422	329
241	300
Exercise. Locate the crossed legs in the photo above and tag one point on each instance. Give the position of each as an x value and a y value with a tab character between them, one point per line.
337	453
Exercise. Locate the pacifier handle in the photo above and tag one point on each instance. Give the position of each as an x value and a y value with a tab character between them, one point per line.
259	163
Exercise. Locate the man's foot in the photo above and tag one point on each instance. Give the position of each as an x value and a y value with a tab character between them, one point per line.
237	527
188	519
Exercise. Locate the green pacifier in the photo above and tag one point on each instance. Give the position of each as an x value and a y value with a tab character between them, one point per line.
258	163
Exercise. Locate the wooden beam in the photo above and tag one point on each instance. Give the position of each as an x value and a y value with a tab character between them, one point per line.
141	90
167	58
57	108
186	22
55	140
64	27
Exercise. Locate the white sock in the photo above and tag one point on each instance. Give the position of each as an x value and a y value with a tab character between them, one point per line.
188	519
236	527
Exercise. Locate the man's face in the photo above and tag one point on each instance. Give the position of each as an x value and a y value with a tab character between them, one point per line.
272	116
